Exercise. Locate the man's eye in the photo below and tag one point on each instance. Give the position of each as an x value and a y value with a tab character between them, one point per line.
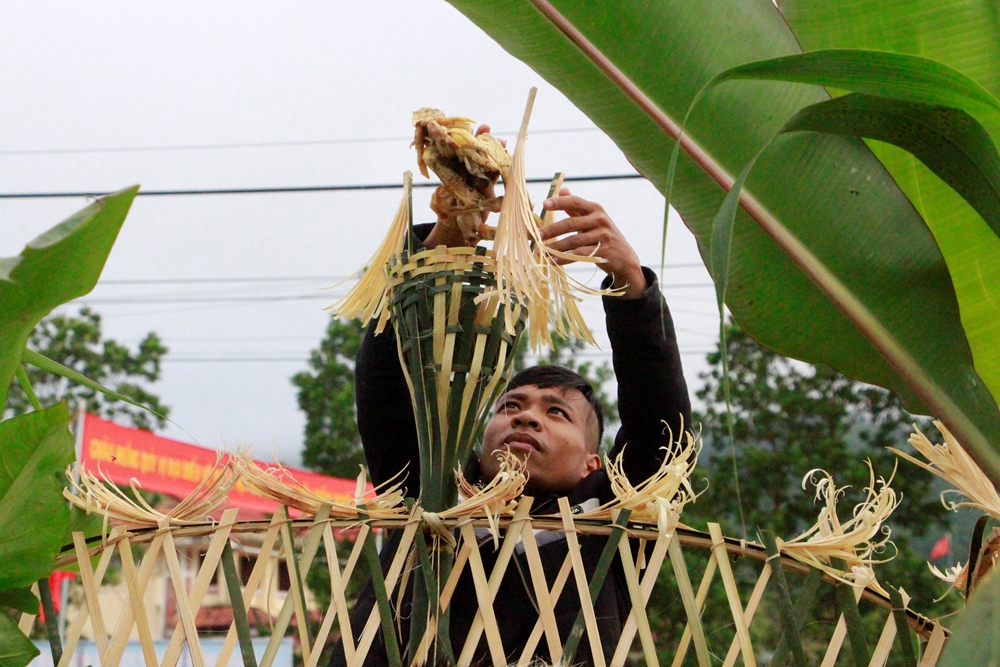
559	411
507	405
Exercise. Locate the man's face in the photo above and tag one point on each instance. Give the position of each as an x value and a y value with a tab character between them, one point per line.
554	429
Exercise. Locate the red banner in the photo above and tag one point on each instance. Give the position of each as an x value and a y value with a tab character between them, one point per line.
175	468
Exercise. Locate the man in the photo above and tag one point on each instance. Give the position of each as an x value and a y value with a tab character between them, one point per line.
550	417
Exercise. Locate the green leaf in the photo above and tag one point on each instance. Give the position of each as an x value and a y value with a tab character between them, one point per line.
894	75
922	81
815	272
950	142
34	516
61	264
975	639
16	650
963	35
20	599
43	362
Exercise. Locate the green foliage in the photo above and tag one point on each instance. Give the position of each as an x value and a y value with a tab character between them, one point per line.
34	517
790	418
16	650
976	638
35	448
58	266
326	395
819	273
77	343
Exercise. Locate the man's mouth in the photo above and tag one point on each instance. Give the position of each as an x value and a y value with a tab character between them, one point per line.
521	442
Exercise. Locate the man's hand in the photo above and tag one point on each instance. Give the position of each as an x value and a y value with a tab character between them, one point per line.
447	232
589	230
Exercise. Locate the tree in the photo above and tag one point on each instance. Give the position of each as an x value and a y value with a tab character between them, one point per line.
77	343
326	395
789	418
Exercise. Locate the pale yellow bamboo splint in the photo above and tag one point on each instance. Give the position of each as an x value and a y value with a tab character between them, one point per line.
691	606
82	554
733	595
755	596
250	590
699	604
839	634
638	614
209	568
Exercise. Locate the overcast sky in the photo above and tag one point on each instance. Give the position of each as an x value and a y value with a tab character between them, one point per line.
192	95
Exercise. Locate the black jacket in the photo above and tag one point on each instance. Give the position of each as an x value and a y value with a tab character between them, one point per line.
651	393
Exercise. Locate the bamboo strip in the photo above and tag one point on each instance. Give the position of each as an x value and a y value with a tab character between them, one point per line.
240	618
294	603
582	585
295	593
496	576
209	568
337	608
932	652
27	620
551	630
652	568
900	600
699	600
256	574
135	598
440	306
461	559
430	573
119	640
546	605
733	593
638	610
90	585
755	596
881	653
837	641
691	605
368	635
852	618
76	629
789	620
485	600
183	605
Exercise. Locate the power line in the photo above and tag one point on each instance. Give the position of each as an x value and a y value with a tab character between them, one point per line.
302	360
256	144
263	298
291	189
278	279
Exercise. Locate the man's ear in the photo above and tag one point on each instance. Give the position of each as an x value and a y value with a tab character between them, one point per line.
590	464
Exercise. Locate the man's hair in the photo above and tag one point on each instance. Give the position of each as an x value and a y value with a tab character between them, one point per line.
562	378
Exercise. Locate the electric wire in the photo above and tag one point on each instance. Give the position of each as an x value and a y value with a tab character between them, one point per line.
254	144
293	188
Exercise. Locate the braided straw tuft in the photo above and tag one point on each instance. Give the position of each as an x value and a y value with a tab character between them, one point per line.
855	541
661	498
93	494
279	484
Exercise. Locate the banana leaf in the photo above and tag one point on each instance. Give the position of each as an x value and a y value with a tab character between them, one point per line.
804	242
58	266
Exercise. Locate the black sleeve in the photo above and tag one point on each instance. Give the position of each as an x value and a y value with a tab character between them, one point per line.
385	411
652	393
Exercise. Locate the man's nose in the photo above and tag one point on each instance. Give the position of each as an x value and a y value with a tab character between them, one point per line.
525	418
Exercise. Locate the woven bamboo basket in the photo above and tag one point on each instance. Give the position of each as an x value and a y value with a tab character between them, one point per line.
645	551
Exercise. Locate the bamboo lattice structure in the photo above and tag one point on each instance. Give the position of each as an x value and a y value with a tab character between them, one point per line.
647	548
298	542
